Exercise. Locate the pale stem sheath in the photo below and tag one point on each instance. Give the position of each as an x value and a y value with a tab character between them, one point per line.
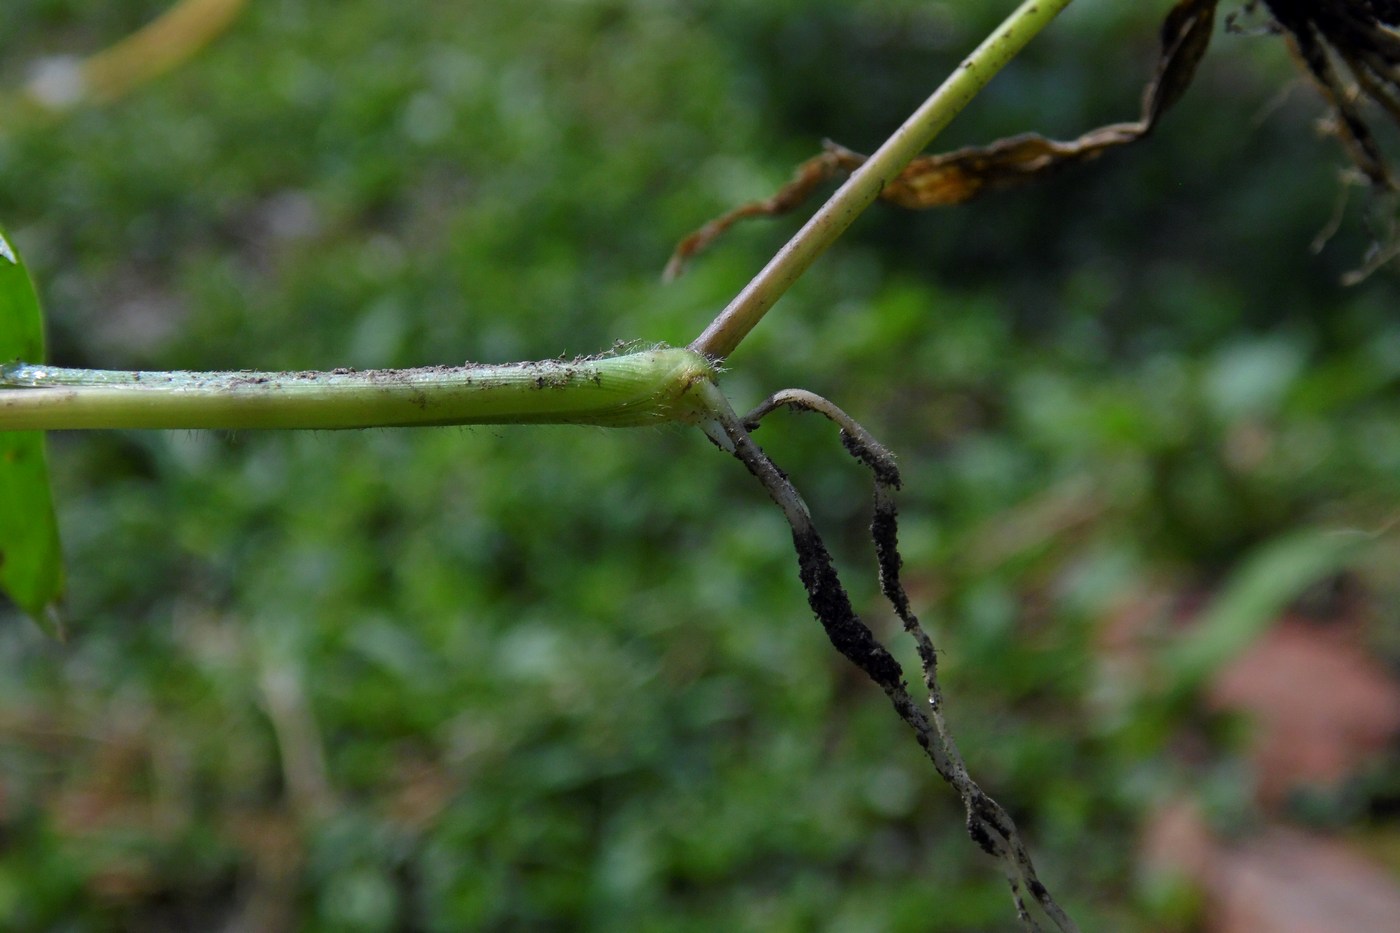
748	307
635	389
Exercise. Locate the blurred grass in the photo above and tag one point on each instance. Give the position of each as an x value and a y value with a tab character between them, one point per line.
565	678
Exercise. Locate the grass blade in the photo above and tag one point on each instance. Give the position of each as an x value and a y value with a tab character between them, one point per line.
1259	591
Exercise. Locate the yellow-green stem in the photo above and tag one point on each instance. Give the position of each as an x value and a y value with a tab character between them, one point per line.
646	388
864	186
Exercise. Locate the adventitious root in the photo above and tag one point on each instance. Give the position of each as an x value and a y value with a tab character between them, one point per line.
1351	52
987	823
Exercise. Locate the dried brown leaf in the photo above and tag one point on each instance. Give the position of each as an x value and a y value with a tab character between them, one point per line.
1322	707
959	176
1275	880
808	177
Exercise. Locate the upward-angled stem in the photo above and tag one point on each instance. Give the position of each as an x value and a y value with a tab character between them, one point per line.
864	186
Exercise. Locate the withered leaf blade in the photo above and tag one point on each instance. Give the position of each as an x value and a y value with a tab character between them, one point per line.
808	177
959	176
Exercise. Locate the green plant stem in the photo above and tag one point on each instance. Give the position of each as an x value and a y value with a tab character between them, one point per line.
727	330
635	389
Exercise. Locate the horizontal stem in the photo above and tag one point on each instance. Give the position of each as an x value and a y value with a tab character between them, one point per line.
645	388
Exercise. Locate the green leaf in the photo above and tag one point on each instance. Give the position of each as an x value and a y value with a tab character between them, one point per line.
1259	591
31	569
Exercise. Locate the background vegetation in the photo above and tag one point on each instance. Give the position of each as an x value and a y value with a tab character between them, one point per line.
565	678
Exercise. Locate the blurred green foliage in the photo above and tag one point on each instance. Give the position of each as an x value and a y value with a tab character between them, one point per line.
565	678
